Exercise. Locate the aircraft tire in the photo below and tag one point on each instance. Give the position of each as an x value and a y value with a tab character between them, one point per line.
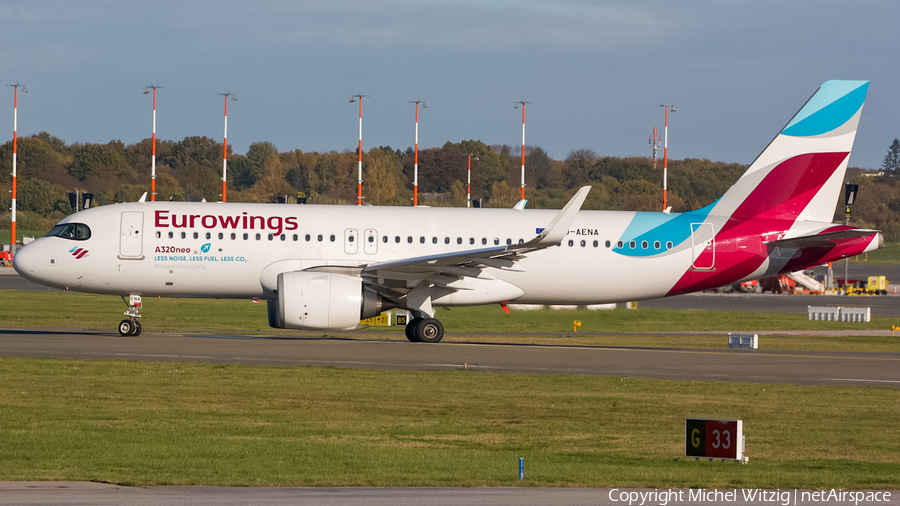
126	328
430	330
411	330
137	329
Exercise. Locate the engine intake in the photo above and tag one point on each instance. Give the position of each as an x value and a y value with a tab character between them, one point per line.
323	301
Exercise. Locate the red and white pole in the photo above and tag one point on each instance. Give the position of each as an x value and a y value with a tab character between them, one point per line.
153	149
469	183
153	153
12	232
225	148
359	180
522	197
666	155
416	160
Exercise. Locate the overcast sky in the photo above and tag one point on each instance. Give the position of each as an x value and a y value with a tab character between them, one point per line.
595	72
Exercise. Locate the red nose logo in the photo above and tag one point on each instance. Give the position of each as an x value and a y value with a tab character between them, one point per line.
78	253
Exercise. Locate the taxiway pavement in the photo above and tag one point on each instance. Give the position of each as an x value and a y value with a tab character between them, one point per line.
738	365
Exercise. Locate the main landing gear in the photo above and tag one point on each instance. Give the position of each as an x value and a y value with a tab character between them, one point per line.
424	330
131	326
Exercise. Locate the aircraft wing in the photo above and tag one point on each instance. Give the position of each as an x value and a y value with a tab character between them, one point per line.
397	277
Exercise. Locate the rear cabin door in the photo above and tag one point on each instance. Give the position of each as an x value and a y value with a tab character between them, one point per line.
704	246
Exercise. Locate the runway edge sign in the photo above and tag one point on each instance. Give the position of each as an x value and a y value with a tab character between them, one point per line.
714	439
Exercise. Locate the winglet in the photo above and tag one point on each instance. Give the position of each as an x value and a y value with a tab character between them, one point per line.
554	232
143	198
520	205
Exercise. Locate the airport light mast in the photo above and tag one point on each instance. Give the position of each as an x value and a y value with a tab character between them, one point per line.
469	182
153	150
225	146
12	232
416	161
666	153
522	102
654	144
359	182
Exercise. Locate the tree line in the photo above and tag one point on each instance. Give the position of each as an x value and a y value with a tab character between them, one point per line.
48	168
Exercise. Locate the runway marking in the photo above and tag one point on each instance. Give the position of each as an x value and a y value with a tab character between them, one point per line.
698	352
862	380
161	356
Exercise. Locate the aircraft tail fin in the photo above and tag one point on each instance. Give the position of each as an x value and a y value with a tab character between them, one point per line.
800	174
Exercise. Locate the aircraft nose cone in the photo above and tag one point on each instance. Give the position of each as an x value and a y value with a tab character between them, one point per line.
23	262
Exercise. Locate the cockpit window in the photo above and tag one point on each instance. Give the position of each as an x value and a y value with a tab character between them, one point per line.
74	231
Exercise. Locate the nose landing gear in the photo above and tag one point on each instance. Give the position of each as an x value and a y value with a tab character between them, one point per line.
131	326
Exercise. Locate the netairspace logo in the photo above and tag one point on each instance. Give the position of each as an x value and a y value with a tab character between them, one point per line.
746	496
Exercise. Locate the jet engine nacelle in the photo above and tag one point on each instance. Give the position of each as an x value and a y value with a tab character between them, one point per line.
323	301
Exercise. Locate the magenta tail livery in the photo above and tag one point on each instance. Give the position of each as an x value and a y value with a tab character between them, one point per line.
327	267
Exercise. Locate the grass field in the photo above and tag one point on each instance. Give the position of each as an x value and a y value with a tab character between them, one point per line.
4	234
144	423
889	255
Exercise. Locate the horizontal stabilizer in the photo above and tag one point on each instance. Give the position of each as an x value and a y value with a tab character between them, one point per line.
825	239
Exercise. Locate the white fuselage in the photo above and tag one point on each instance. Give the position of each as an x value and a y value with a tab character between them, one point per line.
236	250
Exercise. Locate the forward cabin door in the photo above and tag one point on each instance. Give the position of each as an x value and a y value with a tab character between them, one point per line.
131	240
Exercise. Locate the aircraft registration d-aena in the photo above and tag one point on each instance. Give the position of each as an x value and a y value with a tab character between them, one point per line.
327	267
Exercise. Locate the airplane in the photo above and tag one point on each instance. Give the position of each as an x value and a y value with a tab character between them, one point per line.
322	267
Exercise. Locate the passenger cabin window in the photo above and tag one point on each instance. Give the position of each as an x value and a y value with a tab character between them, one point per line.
158	234
74	231
669	245
221	236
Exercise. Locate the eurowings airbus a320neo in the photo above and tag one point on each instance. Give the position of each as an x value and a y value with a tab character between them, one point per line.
327	267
